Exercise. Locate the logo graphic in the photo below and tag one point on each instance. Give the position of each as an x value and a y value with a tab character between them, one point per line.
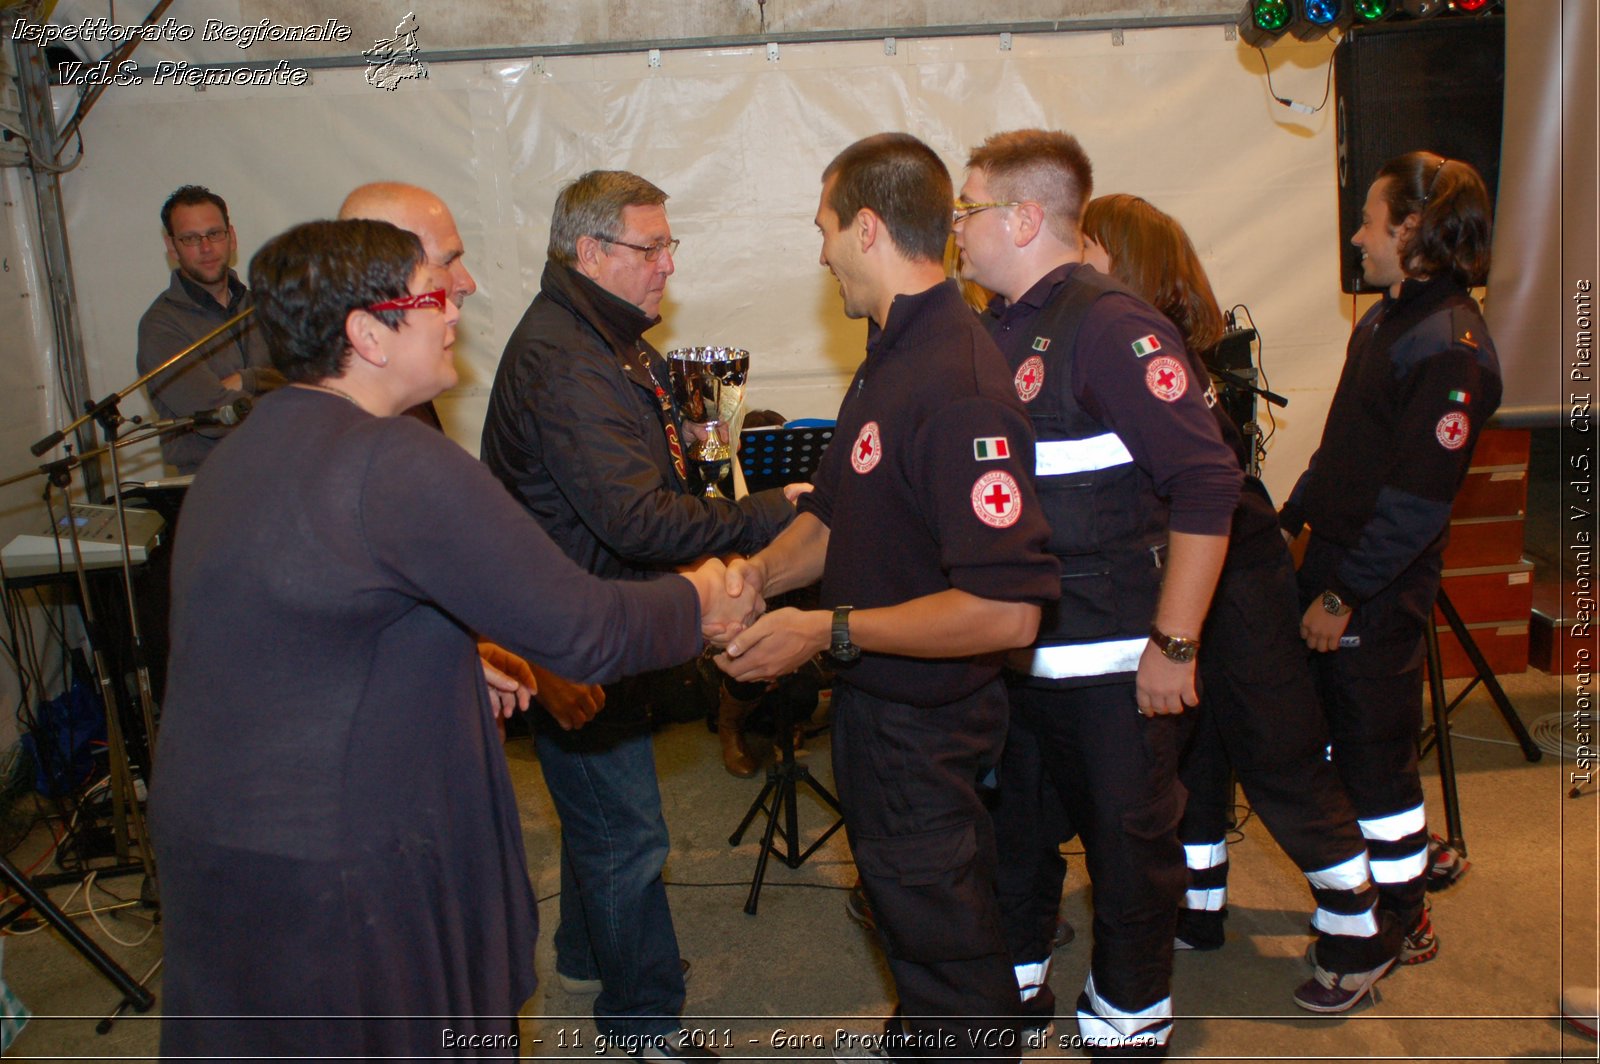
1166	379
1041	343
1453	430
392	61
1146	345
867	450
996	500
990	448
1030	376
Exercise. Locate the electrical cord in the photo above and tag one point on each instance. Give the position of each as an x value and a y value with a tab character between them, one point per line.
1296	105
1549	733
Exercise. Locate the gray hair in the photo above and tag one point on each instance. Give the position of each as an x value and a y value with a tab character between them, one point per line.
592	205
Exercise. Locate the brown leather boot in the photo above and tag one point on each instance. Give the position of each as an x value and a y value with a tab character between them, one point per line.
731	713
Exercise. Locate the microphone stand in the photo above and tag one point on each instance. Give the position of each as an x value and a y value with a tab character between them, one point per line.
124	796
1233	380
108	414
95	411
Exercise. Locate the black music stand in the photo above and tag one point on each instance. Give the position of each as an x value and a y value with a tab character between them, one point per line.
771	458
1439	732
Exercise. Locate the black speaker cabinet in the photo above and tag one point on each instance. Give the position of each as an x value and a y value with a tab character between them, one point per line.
1432	85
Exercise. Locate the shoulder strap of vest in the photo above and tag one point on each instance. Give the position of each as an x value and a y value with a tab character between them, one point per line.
1060	319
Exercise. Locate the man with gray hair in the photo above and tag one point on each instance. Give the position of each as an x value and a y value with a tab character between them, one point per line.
582	428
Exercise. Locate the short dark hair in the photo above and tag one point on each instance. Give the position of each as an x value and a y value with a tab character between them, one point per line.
902	181
1455	219
191	196
592	205
307	280
1043	165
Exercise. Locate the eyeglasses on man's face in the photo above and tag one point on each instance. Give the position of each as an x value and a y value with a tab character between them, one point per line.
651	252
210	236
433	300
964	210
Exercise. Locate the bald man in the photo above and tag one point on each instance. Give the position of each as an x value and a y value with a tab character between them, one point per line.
421	212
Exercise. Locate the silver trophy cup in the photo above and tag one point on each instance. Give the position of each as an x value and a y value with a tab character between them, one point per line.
708	383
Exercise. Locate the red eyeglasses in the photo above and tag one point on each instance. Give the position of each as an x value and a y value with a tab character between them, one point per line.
434	300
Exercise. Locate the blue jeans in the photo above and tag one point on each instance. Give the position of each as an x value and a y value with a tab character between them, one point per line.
615	924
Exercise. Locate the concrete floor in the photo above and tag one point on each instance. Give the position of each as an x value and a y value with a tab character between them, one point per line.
1521	925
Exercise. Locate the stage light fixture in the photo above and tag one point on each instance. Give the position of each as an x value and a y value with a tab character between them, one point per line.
1369	11
1422	8
1264	21
1471	7
1314	18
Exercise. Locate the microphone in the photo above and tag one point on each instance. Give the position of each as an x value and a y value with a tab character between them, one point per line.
231	414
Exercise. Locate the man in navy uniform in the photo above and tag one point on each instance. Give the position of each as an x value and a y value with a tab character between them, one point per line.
1139	489
930	547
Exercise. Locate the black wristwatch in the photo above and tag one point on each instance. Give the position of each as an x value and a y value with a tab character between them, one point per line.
1175	647
1334	604
841	649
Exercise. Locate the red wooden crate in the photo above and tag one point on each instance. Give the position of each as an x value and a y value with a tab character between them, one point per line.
1492	493
1501	593
1502	447
1503	646
1476	542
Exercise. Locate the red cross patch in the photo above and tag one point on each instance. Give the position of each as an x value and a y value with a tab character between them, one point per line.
996	500
1029	378
1453	430
1166	379
867	450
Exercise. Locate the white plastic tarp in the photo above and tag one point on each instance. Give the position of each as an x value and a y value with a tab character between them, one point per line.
739	140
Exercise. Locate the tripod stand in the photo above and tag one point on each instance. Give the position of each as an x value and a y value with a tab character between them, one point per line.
784	777
132	993
1439	732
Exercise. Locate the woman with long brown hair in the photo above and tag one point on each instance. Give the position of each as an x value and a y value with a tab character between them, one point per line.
1259	709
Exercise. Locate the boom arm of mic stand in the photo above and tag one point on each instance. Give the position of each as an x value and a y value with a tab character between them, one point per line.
96	409
1234	380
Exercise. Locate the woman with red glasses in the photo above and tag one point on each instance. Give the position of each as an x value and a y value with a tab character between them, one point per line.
341	859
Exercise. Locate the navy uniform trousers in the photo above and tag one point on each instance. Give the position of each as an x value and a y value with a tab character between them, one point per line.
1260	715
1371	690
908	779
1115	772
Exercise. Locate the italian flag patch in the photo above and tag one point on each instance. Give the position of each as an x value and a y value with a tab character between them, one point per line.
1146	345
990	448
1459	397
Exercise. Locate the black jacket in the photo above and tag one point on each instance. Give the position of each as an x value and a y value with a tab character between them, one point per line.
575	430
